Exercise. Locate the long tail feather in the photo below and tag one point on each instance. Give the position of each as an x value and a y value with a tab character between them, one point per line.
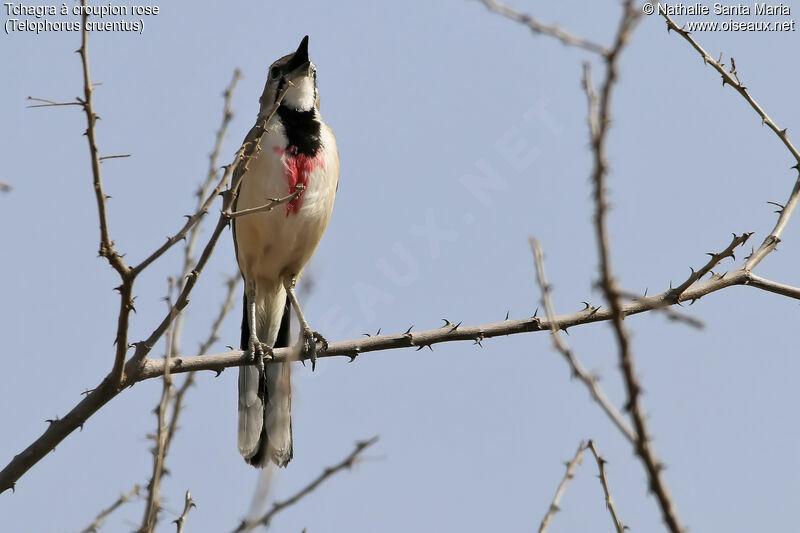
265	401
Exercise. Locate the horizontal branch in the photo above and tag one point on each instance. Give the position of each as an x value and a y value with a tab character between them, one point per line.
477	334
58	429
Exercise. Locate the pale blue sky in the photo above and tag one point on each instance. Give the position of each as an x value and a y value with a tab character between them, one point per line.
421	97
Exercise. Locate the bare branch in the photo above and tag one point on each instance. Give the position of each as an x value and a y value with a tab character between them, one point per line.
121	156
539	28
270	205
669	312
51	103
187	506
601	466
773	286
732	79
578	370
599	127
277	507
107	249
153	506
738	240
569	474
98	521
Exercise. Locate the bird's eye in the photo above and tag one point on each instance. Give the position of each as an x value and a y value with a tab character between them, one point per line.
274	72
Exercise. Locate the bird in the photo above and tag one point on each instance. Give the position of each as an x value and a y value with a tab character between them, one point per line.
296	153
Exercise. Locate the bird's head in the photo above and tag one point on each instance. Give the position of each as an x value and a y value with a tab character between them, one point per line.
297	73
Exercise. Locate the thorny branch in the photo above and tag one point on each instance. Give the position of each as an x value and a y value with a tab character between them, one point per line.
540	28
98	521
476	334
106	249
731	78
568	475
601	467
153	507
670	313
152	368
277	507
578	370
599	120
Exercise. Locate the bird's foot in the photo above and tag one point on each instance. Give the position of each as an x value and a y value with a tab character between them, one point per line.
310	340
258	352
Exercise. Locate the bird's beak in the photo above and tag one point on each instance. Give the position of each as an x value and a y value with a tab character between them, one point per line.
300	57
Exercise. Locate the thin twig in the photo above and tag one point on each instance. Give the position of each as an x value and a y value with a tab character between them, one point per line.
153	506
540	28
578	370
51	103
187	506
732	79
599	127
98	521
270	205
120	156
601	466
738	240
773	286
277	507
569	474
669	312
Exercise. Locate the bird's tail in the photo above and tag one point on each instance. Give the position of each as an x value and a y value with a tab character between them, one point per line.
265	399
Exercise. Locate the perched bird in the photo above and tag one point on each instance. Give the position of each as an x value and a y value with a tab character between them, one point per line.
273	247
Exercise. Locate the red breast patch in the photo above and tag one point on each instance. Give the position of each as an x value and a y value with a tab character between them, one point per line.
298	169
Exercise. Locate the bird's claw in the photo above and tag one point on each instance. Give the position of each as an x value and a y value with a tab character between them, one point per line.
258	352
310	339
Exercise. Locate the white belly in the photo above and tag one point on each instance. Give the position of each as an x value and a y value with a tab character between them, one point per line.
274	245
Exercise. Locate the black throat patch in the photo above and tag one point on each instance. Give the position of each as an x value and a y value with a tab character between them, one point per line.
302	130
